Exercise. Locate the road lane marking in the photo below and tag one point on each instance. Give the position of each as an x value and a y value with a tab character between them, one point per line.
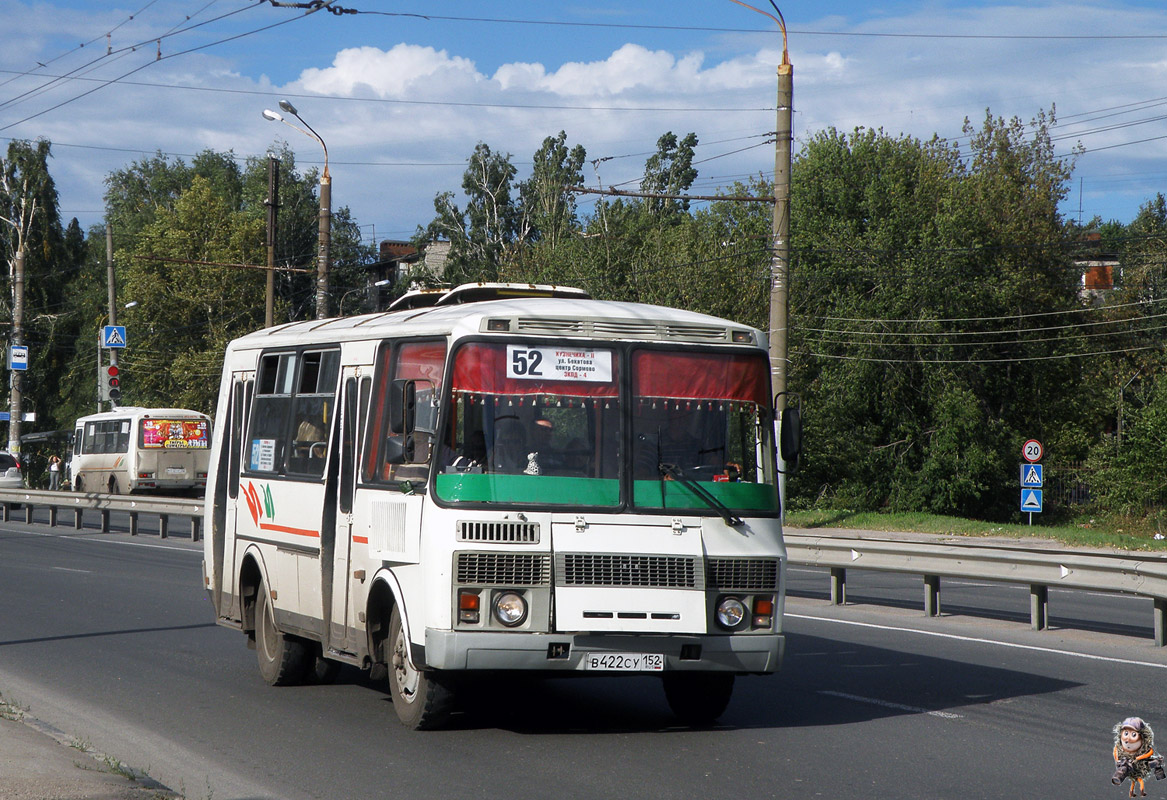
977	640
888	704
70	569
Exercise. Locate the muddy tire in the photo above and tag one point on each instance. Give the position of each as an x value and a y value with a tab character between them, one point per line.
283	660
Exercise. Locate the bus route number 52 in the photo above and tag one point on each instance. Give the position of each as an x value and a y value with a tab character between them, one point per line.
526	363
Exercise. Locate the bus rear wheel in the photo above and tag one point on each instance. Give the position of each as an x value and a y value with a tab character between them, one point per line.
698	698
283	660
421	702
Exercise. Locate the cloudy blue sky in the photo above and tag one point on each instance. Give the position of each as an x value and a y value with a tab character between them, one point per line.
403	91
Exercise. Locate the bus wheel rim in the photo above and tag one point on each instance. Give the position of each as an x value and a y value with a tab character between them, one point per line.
403	672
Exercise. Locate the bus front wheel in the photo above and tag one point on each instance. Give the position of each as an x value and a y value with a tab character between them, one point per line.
421	702
698	698
283	660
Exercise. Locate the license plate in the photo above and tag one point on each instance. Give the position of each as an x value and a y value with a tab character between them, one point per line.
625	662
175	470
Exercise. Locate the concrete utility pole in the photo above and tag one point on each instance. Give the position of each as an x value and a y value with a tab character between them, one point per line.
111	290
780	244
16	377
273	205
780	260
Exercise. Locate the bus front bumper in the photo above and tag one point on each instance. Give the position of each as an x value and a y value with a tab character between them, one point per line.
457	650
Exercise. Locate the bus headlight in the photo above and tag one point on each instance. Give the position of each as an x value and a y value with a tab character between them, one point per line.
510	608
730	612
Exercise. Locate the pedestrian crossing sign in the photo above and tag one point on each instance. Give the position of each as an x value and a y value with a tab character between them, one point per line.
113	336
1031	500
1031	475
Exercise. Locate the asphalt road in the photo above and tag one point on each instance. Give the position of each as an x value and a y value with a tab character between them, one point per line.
111	638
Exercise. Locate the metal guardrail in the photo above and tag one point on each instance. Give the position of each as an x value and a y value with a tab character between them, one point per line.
79	502
1040	568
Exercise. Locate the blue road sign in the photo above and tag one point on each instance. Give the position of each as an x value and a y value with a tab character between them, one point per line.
1031	475
113	336
1031	500
18	357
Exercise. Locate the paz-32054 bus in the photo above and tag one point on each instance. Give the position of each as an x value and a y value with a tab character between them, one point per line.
501	477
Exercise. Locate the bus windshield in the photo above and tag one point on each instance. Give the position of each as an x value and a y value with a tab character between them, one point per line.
543	425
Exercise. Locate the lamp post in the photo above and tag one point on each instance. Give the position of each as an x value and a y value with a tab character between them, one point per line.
343	297
325	205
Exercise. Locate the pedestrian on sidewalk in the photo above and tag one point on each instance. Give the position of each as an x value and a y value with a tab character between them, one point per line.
54	473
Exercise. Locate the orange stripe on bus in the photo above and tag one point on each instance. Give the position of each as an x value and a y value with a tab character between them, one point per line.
361	539
267	526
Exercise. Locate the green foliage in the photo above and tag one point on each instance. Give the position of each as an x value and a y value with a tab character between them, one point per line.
1131	479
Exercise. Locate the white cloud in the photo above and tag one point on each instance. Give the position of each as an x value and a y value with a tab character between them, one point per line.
402	71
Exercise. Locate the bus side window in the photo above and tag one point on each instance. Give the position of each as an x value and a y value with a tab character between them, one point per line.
313	411
264	448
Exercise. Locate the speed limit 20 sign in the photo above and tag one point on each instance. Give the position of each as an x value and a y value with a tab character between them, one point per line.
1031	451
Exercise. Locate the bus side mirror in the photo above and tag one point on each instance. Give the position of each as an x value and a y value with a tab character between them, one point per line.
402	406
790	438
399	447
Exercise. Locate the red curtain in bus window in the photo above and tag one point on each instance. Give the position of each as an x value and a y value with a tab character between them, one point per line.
422	361
482	369
708	376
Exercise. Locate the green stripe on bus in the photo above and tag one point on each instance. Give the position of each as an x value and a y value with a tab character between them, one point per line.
558	490
546	489
735	495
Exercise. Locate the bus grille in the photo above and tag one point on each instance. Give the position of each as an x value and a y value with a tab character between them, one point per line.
498	532
742	574
588	569
503	569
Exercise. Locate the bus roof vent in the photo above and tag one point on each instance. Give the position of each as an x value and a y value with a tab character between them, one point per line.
498	532
622	329
699	333
550	325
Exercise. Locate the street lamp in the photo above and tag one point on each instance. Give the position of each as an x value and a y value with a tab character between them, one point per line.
325	205
343	297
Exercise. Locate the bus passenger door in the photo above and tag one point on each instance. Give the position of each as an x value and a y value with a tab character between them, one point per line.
242	384
341	634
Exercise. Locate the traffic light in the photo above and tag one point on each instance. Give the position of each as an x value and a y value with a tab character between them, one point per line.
113	388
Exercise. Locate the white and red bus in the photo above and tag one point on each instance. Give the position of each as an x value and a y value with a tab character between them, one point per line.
497	478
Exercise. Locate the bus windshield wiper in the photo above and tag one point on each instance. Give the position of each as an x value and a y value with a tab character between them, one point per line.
675	472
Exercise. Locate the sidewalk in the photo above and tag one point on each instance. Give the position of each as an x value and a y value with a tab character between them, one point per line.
39	762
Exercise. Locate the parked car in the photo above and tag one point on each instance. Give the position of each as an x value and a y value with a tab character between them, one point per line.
10	477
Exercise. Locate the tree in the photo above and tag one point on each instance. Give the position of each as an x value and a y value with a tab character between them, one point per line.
548	205
481	235
907	257
669	170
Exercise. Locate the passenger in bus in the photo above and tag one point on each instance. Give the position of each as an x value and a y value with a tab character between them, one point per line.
310	442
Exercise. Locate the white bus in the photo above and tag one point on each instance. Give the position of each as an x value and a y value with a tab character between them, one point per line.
134	450
499	478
